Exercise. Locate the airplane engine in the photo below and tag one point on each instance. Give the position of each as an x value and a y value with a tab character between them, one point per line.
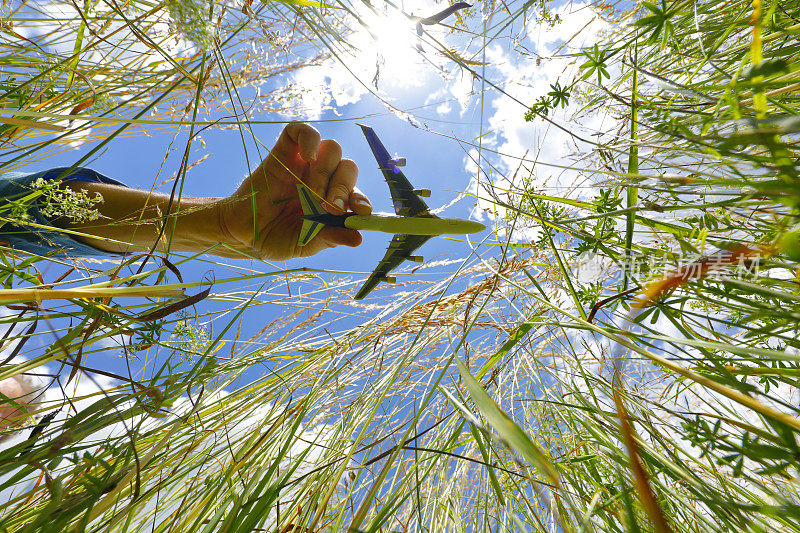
389	279
415	258
425	193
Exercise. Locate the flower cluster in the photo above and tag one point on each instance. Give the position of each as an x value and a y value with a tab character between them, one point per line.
54	201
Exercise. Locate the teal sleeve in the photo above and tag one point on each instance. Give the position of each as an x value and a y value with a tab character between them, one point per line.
41	241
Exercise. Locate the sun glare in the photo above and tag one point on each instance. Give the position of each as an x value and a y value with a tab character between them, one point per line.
394	41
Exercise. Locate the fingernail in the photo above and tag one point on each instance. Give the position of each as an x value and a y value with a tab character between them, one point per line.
310	156
338	202
361	201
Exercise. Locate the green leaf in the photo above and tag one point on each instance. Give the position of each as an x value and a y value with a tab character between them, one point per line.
507	429
513	339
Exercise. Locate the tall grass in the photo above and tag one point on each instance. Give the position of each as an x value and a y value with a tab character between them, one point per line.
658	393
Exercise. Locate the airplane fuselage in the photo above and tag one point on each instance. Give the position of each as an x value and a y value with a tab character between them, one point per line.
419	225
412	225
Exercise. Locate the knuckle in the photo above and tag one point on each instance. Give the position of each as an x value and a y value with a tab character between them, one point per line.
297	131
349	166
310	132
333	146
339	190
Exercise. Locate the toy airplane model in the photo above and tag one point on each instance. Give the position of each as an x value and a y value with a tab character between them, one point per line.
413	225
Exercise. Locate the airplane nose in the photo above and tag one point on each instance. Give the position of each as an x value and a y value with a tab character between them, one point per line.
474	227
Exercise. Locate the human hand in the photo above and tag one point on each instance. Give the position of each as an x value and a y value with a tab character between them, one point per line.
262	218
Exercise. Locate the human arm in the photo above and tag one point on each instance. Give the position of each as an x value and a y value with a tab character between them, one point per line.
260	219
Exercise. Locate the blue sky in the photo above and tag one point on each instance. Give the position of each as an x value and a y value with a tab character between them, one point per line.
434	162
427	88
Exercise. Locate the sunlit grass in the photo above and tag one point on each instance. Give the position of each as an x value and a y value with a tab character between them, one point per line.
513	392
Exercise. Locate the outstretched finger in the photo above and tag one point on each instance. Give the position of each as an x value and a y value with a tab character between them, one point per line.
328	158
341	185
305	139
359	202
297	138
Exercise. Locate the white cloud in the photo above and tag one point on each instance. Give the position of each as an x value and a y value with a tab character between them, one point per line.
529	80
462	88
381	56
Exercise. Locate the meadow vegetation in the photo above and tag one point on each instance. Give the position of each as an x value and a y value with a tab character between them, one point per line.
623	361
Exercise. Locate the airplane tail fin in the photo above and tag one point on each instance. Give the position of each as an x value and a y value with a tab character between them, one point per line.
309	206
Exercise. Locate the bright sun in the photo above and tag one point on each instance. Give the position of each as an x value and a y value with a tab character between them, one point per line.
394	39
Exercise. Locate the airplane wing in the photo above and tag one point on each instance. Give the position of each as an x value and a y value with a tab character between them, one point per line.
401	247
406	202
